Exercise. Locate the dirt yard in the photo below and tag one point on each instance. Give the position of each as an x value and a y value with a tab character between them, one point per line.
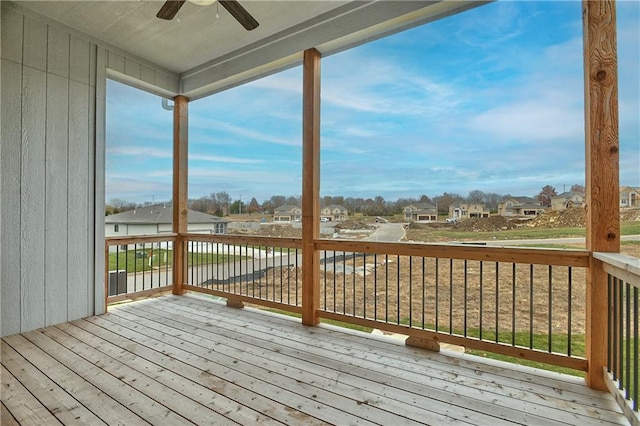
454	295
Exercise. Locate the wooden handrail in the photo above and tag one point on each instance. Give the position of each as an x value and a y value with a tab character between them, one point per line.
139	239
243	239
556	257
626	268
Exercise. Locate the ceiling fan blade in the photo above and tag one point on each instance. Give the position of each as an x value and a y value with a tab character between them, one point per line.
169	9
240	13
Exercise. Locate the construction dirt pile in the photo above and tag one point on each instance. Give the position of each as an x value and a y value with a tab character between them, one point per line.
630	214
573	217
488	224
269	230
353	225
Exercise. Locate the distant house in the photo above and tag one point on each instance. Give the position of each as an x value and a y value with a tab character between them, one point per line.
520	206
287	213
567	199
334	212
629	196
462	210
420	212
157	220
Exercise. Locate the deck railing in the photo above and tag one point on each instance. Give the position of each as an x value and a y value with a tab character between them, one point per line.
516	302
260	270
138	266
520	302
623	325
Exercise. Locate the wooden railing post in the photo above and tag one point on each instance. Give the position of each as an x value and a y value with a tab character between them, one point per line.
310	187
180	207
602	167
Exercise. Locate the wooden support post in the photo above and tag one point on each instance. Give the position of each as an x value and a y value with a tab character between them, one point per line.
310	187
180	209
602	168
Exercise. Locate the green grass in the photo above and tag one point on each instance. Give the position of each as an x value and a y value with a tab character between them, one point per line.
138	260
630	228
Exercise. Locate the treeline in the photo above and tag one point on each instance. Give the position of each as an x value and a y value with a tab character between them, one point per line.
222	204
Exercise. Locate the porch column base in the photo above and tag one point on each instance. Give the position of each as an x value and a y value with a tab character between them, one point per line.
235	303
422	343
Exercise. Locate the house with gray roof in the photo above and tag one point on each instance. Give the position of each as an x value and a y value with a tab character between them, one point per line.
287	213
463	210
629	196
158	220
520	206
568	199
420	212
334	212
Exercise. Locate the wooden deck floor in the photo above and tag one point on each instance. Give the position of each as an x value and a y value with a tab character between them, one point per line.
183	360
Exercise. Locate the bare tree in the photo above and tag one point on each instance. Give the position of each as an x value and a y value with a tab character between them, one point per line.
278	201
546	194
222	200
576	187
476	196
254	207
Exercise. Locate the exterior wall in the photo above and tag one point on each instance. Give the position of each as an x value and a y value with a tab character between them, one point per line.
466	211
629	197
426	217
47	174
53	96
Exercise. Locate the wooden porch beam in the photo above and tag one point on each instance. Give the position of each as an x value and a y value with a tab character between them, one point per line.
310	187
602	170
180	195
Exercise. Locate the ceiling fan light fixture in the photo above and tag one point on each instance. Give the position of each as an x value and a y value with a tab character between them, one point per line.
203	2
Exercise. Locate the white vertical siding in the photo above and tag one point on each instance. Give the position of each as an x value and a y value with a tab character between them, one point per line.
56	276
32	198
47	210
99	173
11	107
52	170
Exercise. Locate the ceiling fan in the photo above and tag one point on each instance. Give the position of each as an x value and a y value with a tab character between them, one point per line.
170	8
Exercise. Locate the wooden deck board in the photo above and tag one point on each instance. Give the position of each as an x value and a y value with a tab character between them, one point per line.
185	360
502	389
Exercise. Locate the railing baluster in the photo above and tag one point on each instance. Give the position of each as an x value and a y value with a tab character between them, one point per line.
437	282
481	283
135	267
386	289
375	287
530	306
620	328
410	291
398	290
635	349
614	327
353	293
497	300
569	309
627	359
550	318
450	296
423	292
466	288
335	291
324	261
513	305
364	285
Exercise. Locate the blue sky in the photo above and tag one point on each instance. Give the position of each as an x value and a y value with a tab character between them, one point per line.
490	99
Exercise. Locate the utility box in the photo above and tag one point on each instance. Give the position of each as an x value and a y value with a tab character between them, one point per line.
117	282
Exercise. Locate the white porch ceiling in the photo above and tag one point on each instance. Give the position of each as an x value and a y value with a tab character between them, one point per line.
210	54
